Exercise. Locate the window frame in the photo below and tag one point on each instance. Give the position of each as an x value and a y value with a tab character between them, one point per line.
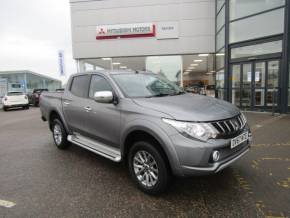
107	80
231	22
71	84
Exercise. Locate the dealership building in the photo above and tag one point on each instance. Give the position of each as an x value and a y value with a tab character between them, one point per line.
239	48
25	81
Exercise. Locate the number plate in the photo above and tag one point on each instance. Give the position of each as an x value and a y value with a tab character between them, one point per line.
239	140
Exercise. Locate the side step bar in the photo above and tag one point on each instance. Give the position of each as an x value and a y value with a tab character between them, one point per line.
96	147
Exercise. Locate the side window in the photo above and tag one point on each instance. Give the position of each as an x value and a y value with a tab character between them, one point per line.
80	85
98	83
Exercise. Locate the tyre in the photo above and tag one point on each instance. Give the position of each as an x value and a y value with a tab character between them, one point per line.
59	134
148	168
5	108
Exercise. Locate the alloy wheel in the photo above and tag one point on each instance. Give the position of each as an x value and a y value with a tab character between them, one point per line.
145	168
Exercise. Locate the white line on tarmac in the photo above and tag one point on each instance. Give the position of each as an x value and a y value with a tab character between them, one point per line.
7	204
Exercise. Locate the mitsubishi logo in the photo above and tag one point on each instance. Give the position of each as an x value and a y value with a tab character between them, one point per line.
102	31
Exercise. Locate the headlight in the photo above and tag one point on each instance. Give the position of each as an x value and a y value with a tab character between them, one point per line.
201	131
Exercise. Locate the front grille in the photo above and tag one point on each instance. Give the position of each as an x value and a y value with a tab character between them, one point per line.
230	127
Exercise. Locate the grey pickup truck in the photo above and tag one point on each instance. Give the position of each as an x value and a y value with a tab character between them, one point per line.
149	123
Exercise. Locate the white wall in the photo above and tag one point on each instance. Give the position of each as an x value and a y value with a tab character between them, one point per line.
196	19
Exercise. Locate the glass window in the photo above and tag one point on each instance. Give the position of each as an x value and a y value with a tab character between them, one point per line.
236	69
98	83
247	75
273	74
220	59
219	4
260	75
236	72
236	95
255	50
242	8
79	86
220	93
185	70
169	66
220	19
266	24
220	39
220	79
146	85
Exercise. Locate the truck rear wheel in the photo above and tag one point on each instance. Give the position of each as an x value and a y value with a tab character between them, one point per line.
148	168
59	134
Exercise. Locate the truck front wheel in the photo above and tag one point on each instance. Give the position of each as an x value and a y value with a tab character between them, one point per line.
148	168
59	134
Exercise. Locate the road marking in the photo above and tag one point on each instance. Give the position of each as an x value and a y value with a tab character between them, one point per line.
270	145
7	204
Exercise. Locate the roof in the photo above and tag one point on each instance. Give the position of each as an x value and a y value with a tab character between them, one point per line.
28	72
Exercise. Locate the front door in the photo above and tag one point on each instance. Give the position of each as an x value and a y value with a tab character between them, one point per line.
104	119
255	84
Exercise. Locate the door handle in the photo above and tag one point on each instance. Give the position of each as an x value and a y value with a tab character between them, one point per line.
66	103
88	109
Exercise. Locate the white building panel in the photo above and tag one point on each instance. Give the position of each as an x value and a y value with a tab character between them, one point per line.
194	20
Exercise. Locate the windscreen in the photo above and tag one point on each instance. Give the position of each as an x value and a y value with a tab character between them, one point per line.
145	85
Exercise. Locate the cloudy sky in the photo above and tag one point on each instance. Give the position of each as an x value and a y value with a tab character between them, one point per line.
31	34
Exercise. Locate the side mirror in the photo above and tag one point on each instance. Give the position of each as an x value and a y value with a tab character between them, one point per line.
104	97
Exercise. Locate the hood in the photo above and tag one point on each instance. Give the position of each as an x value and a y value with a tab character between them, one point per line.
190	107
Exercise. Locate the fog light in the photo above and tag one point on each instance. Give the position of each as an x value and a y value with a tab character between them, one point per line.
215	156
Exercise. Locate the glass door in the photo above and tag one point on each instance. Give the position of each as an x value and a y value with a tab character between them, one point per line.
246	86
255	84
272	96
259	81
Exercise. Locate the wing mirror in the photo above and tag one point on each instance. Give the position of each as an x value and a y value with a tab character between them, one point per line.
104	97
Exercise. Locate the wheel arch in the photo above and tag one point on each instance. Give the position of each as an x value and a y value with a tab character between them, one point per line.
151	133
55	114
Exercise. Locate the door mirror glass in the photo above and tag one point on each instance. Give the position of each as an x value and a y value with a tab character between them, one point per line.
104	97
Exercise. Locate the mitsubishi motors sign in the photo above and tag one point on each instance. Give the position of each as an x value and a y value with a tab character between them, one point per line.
125	31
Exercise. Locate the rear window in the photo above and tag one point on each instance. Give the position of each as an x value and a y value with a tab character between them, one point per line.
14	93
79	86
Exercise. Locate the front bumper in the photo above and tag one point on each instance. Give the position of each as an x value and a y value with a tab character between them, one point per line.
195	157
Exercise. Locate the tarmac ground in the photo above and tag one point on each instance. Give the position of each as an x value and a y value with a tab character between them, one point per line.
38	180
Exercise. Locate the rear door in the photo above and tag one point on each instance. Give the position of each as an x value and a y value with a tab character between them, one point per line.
74	101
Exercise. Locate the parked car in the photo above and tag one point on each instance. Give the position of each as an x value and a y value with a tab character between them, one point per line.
34	97
15	100
148	122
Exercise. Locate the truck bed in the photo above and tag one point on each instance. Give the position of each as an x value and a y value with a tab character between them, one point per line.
50	101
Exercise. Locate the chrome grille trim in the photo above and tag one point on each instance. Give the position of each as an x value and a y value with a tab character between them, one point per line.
230	126
221	127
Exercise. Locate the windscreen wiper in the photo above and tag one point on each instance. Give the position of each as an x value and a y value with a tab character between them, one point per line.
158	95
178	93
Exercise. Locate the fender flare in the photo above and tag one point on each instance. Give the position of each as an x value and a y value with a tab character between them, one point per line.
158	133
55	110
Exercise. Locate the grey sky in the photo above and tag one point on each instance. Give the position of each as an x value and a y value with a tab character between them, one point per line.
32	32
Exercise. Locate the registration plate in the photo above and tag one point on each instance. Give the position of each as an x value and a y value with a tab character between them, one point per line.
239	140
